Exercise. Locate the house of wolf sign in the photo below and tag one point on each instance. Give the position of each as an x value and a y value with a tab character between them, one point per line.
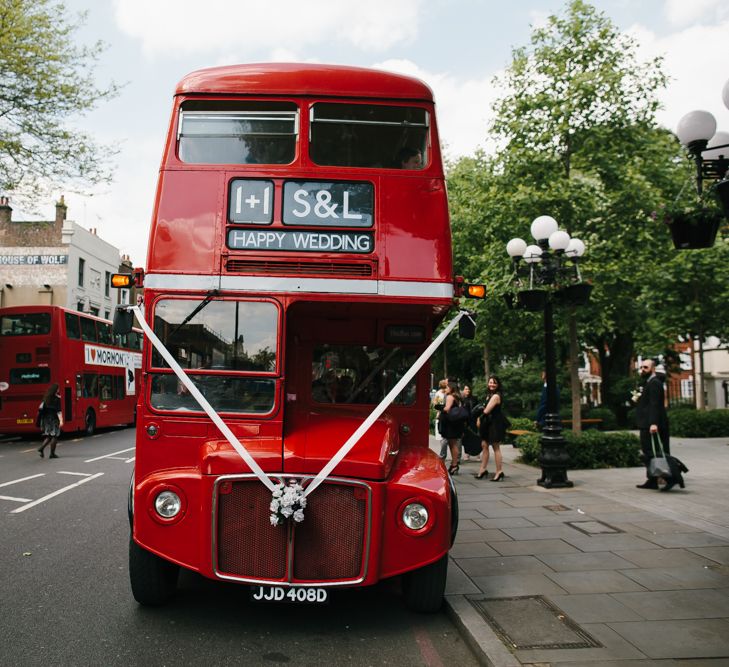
96	355
33	260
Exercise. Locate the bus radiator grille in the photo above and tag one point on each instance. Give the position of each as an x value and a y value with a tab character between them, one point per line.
327	546
272	267
248	545
329	542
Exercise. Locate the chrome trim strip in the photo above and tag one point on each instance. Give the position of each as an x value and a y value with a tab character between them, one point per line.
303	480
259	284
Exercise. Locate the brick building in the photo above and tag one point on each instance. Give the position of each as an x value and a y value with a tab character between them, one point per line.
56	262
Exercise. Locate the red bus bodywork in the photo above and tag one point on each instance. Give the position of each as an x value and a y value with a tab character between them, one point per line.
353	533
74	350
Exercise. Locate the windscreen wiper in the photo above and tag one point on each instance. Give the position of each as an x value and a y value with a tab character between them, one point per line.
208	298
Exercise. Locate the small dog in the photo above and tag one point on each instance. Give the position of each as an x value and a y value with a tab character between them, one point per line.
677	470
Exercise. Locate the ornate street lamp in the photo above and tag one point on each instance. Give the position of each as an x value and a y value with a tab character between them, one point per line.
709	149
549	274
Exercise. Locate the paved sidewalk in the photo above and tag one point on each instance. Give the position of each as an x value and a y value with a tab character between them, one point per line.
600	574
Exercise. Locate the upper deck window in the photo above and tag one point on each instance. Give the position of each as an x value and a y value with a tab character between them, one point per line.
368	135
25	324
255	133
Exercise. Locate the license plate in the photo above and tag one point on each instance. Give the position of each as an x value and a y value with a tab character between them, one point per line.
298	594
23	421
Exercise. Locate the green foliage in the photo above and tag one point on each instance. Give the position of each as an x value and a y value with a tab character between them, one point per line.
580	143
609	422
687	423
47	82
591	449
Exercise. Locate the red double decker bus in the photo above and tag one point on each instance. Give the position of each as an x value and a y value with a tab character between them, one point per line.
299	263
96	372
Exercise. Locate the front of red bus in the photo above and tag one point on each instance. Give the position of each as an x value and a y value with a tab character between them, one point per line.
26	352
299	263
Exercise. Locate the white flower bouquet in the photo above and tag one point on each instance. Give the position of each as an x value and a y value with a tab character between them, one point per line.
636	394
288	502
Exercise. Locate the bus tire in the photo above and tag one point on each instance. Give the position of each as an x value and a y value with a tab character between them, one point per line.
423	589
153	579
90	422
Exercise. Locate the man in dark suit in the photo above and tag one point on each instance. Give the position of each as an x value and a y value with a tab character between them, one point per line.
650	413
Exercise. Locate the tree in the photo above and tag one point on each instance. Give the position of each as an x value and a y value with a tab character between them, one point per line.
580	143
47	82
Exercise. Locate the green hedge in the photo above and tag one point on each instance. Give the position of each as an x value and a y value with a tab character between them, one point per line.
688	423
590	449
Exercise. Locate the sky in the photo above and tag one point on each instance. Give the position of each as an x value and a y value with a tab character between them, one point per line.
455	46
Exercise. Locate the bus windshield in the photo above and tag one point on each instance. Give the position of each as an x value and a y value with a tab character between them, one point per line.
224	335
25	324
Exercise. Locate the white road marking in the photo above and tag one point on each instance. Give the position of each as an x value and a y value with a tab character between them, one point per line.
25	451
109	456
56	493
130	460
80	474
22	479
17	500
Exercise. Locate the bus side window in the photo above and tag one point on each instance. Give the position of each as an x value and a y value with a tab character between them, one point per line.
88	329
105	387
73	330
91	385
104	331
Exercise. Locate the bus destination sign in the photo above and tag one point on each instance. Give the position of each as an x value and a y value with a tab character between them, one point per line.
301	241
327	204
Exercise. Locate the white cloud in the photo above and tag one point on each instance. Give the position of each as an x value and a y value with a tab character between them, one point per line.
463	106
685	12
697	76
181	26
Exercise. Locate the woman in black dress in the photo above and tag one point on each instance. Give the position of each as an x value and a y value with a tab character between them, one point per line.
51	420
492	428
452	430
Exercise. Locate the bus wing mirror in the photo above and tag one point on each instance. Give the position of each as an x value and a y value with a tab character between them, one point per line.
467	326
123	321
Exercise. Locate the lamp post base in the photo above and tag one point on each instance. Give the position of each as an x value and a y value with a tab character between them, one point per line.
553	458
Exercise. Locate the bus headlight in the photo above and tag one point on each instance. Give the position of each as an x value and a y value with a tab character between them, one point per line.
167	504
415	516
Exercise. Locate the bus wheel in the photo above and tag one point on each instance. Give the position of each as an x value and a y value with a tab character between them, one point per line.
153	579
424	588
90	422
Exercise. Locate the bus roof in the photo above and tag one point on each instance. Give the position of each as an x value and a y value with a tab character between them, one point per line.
303	79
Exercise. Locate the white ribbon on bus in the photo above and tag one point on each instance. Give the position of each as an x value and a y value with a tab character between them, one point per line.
343	450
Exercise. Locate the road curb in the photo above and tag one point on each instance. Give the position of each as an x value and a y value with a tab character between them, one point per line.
482	640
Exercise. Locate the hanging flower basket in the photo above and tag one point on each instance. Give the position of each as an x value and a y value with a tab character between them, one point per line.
694	230
532	299
575	295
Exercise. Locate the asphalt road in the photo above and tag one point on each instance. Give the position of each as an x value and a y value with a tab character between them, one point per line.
65	597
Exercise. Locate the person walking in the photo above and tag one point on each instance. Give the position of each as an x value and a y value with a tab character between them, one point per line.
452	424
50	420
651	417
492	429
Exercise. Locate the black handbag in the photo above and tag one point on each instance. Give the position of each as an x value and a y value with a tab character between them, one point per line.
457	413
658	466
